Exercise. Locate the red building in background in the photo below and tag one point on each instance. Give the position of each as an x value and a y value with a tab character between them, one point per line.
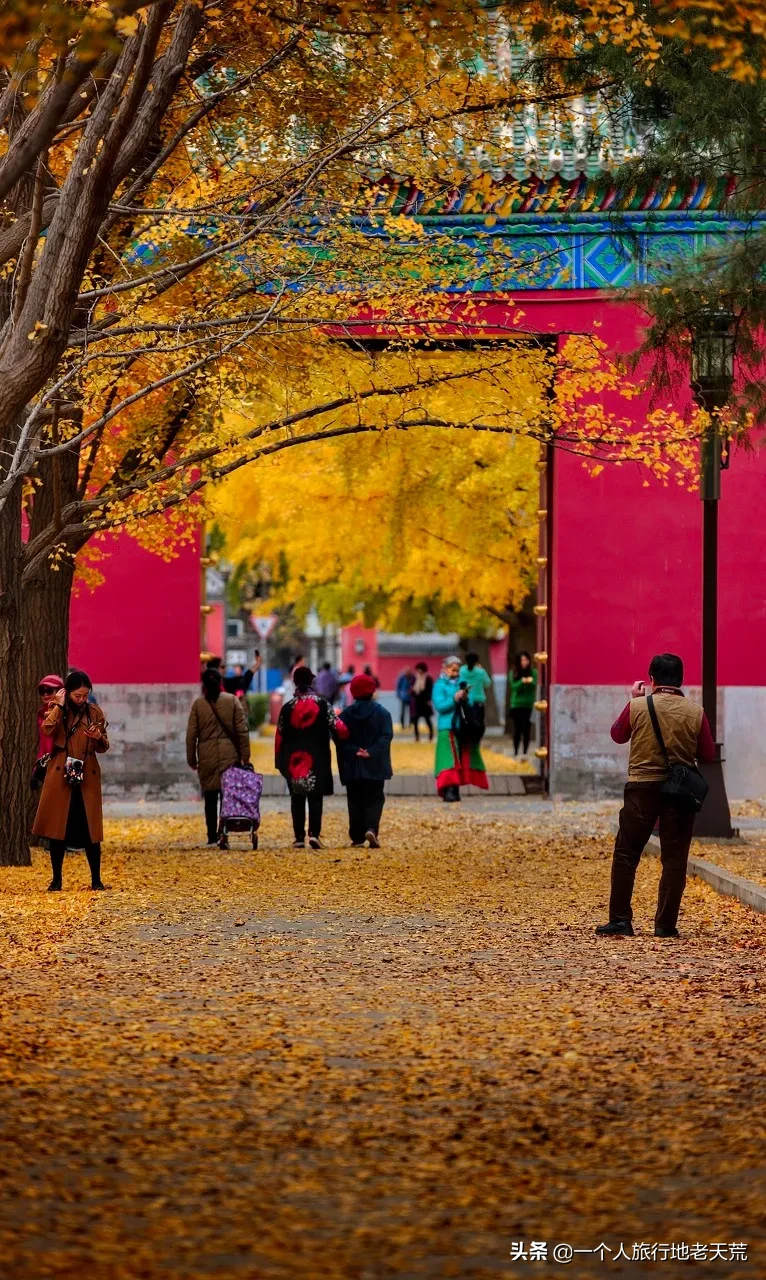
625	560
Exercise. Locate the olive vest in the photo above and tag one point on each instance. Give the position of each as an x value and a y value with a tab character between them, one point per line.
680	722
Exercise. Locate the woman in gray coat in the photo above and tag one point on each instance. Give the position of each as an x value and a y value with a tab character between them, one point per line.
216	738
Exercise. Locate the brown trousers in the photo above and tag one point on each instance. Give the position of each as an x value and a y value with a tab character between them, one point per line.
642	806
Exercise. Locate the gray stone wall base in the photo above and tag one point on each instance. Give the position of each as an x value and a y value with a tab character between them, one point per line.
723	881
586	764
147	733
147	759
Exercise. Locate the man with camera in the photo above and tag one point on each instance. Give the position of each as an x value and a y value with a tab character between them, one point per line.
667	734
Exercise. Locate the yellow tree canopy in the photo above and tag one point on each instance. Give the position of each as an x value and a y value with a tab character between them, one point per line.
412	525
415	494
186	190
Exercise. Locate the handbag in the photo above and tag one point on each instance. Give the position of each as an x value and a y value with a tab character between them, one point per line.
39	771
685	785
232	739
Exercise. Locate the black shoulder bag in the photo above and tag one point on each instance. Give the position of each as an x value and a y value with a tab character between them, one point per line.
468	723
685	785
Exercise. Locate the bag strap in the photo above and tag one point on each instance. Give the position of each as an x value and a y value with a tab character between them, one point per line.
656	727
69	733
229	733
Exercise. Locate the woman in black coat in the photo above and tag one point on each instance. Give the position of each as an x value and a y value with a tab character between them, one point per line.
302	754
364	759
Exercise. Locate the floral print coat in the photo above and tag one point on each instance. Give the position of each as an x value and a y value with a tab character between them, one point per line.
302	745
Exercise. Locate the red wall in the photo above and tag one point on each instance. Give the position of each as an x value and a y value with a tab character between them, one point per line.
627	560
142	625
626	563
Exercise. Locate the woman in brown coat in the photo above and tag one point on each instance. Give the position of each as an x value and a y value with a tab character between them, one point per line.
69	812
216	738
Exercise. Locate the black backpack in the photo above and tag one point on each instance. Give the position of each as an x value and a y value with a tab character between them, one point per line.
685	785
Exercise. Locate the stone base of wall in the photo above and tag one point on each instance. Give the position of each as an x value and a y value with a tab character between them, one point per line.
147	728
586	764
147	732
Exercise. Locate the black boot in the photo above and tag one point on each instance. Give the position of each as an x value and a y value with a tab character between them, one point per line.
57	865
93	855
615	929
665	933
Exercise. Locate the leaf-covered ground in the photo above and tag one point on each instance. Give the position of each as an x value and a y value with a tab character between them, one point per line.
407	757
360	1065
748	859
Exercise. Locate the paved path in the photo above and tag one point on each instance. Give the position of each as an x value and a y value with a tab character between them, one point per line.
366	1065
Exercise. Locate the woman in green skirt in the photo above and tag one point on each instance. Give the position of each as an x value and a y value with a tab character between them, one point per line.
457	764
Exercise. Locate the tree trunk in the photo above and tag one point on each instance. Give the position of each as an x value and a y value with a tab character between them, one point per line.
48	591
45	610
17	700
480	645
45	619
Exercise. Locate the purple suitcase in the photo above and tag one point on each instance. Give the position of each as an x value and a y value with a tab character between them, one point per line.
240	803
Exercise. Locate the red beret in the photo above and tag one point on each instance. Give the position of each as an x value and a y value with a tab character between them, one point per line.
362	687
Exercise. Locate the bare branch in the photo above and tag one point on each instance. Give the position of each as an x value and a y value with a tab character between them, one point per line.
39	129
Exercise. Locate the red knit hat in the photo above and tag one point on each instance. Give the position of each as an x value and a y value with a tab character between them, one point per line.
362	687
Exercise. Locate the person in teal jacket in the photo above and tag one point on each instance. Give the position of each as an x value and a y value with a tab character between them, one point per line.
523	695
476	679
457	763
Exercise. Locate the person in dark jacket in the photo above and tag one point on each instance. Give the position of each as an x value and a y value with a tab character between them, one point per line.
240	681
421	701
306	725
364	760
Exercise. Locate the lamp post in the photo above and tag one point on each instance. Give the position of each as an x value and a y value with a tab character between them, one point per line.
712	379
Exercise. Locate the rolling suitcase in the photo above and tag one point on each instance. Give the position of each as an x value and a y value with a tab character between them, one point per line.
240	804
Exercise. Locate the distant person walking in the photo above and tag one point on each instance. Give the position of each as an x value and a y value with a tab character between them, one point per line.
344	681
421	701
458	761
69	812
364	760
217	737
404	694
306	725
327	684
368	671
477	681
686	733
240	680
523	696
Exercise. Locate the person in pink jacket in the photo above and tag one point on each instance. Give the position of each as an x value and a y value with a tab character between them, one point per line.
47	689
